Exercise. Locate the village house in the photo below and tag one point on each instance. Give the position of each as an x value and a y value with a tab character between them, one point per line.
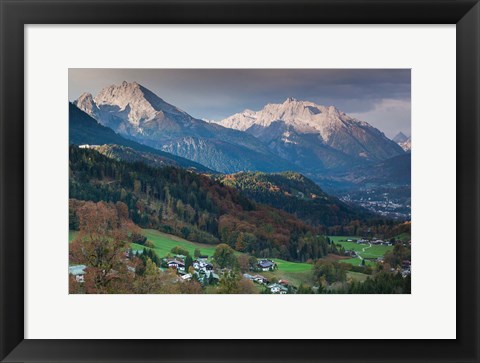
201	264
277	288
179	265
78	271
260	279
266	265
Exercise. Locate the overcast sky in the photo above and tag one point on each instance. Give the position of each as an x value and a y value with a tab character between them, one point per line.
378	96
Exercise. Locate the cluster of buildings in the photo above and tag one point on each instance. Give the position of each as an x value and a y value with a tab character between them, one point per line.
259	279
203	269
280	287
373	241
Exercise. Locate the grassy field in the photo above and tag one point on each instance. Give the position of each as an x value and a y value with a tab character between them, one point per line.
164	243
288	266
357	261
363	250
294	278
295	272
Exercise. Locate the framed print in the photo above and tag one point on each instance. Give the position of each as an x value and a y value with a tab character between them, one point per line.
239	181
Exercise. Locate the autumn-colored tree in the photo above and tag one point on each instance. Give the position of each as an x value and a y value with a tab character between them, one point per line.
243	262
100	245
229	283
224	256
149	283
190	287
246	286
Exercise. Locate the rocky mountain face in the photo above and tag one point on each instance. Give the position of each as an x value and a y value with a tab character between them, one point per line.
404	141
314	136
84	130
135	112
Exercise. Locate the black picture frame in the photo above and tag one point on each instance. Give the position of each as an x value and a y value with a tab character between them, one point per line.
15	14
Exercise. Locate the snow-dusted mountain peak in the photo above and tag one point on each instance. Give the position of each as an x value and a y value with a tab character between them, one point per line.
297	122
303	116
85	103
129	101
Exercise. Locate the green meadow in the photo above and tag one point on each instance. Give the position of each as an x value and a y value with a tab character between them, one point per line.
295	272
288	266
163	243
364	250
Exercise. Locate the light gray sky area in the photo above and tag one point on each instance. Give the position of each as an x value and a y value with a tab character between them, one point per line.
379	96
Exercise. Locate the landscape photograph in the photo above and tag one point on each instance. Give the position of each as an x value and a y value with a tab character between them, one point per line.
239	181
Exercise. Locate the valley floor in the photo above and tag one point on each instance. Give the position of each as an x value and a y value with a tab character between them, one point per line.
296	273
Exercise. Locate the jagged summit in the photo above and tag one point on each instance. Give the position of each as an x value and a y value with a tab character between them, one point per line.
134	100
296	122
303	116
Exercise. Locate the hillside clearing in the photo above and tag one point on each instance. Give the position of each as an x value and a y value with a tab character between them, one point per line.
364	251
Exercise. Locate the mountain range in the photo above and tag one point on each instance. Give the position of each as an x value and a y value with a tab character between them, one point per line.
322	142
314	137
294	135
136	113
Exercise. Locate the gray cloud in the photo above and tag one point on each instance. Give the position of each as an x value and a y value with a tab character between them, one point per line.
378	96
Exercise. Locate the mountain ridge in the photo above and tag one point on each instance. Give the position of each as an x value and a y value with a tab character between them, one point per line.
323	133
84	130
137	113
296	194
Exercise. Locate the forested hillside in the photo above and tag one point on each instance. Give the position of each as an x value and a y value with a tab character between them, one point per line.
296	194
190	205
